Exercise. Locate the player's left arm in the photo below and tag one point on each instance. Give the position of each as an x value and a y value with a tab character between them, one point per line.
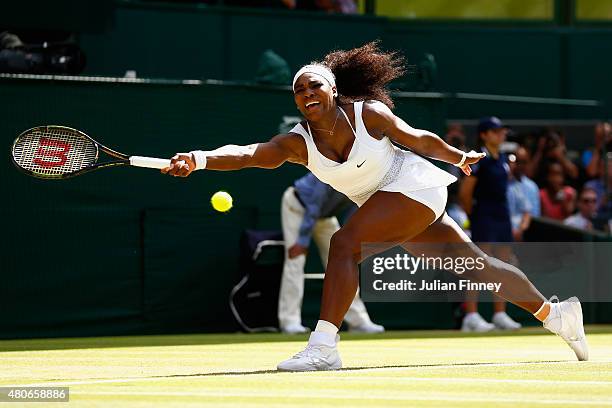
378	116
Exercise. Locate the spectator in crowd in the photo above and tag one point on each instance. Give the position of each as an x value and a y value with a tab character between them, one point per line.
308	210
558	199
587	210
455	136
272	69
10	41
592	158
603	186
62	57
257	3
528	186
331	6
518	204
340	6
551	148
483	196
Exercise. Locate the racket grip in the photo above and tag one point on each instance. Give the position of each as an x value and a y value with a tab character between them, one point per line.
149	162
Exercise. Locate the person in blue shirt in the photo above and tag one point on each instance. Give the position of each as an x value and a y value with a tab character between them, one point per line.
483	196
529	188
523	194
519	208
309	210
603	186
592	157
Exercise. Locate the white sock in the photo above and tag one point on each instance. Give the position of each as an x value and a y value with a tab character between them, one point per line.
326	327
541	308
324	334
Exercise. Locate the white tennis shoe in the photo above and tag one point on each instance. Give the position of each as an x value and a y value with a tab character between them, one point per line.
502	321
367	327
565	320
313	358
294	328
474	322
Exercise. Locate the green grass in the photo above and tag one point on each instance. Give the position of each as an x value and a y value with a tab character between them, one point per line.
428	368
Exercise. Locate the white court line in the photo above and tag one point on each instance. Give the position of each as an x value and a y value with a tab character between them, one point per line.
469	380
332	374
468	365
409	397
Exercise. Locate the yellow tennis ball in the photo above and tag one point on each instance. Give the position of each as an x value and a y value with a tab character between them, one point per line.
221	201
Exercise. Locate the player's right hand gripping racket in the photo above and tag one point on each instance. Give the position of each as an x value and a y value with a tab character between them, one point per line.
58	152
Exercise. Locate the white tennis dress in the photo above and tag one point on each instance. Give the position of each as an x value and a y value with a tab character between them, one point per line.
377	165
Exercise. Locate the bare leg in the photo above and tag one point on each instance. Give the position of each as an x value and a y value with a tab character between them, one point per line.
503	253
471	296
516	287
499	304
385	218
471	301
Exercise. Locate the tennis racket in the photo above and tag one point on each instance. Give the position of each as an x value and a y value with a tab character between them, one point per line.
59	152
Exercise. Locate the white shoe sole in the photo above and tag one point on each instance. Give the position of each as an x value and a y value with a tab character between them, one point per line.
335	366
467	329
508	328
366	331
295	332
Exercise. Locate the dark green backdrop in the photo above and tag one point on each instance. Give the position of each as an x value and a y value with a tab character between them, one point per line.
557	58
542	59
130	250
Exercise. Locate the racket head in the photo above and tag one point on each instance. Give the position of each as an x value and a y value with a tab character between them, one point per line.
54	152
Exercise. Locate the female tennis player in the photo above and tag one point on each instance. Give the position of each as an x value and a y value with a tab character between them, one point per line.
346	141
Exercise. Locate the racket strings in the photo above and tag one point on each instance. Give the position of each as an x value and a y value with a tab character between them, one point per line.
54	151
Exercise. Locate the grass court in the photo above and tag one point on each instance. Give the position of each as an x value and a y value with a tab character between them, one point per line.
425	368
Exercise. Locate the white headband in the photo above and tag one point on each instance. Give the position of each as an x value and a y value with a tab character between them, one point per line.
316	69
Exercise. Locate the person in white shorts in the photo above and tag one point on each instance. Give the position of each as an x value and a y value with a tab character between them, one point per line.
308	210
346	140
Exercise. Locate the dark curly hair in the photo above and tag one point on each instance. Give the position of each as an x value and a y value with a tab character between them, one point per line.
362	73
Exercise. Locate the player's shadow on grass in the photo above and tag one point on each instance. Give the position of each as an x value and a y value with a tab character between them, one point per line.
259	372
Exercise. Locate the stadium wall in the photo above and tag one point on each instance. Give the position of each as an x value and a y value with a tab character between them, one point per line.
121	250
538	59
102	254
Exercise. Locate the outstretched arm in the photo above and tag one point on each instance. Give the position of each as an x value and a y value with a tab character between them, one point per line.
423	142
268	155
